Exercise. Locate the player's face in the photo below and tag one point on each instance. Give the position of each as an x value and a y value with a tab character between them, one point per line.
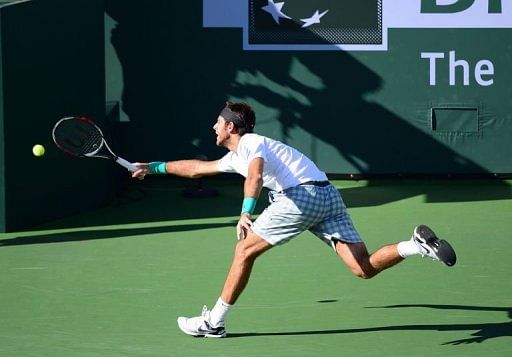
222	131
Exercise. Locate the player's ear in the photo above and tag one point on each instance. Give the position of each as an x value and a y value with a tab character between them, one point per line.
231	127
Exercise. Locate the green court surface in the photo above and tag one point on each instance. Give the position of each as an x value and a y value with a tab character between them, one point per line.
112	282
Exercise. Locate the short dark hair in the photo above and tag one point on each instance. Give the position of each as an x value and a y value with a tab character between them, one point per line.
245	112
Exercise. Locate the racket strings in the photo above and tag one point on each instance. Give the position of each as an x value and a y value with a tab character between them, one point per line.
78	137
92	143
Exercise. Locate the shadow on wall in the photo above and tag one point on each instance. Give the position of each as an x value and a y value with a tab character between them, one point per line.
177	76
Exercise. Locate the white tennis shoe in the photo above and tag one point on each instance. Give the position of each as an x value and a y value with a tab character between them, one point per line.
200	326
433	247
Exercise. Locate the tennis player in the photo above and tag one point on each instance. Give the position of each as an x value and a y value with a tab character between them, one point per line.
301	198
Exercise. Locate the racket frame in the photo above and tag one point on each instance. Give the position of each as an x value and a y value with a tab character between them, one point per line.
126	164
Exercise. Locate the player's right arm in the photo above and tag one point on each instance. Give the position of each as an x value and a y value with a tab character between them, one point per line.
183	168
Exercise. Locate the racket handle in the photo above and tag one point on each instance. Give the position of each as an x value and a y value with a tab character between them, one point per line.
126	164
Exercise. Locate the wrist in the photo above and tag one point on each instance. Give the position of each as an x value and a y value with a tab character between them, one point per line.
157	167
248	205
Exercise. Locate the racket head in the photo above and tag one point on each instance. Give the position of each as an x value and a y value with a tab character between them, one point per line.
78	136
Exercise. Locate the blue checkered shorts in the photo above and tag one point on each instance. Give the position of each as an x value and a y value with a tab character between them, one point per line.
317	209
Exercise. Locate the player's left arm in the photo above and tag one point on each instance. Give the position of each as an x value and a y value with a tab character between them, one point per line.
254	180
252	189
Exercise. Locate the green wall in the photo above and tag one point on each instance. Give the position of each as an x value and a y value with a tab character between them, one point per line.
52	65
363	113
353	112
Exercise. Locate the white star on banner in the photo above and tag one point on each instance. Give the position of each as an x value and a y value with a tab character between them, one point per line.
274	9
315	19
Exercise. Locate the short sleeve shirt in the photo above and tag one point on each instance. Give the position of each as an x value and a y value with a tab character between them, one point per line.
283	167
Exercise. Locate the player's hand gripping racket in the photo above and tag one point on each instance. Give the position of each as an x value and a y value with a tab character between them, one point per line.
79	136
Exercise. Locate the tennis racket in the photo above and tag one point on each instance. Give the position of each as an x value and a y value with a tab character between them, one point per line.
79	136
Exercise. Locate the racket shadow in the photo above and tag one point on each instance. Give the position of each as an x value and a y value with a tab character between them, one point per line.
94	234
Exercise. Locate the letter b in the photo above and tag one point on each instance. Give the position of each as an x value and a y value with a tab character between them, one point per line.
432	7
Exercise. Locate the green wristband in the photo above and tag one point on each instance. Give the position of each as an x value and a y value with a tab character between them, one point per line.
248	205
157	167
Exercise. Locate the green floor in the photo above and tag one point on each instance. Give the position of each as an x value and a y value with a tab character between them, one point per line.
112	282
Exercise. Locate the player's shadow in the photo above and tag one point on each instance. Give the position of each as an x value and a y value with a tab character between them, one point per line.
174	85
484	331
366	135
94	234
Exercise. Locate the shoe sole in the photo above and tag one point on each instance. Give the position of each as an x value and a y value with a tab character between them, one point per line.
446	253
441	248
194	334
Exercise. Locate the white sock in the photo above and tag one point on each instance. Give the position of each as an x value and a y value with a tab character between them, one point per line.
219	312
407	248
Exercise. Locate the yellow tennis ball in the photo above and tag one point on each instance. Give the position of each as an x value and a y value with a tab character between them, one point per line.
38	150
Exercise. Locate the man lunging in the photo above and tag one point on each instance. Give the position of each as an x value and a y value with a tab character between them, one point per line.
301	198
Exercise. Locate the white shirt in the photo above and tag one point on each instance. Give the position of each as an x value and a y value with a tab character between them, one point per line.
283	167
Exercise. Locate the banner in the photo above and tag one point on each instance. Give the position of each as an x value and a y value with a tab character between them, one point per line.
346	24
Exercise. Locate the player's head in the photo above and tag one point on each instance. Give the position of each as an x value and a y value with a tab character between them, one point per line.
241	115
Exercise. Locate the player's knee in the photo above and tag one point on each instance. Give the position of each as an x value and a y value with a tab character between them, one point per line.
250	248
244	253
363	272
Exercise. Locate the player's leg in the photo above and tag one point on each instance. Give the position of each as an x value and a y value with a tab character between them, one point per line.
211	323
288	215
361	264
246	252
423	242
338	231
